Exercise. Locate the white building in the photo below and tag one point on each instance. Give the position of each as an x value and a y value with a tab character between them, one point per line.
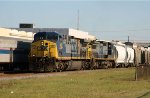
63	31
17	34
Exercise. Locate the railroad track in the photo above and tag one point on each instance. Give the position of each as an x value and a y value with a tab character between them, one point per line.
15	76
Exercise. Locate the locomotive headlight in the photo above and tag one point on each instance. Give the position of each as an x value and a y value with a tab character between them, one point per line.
42	43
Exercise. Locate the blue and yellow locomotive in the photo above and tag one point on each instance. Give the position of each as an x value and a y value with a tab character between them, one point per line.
51	51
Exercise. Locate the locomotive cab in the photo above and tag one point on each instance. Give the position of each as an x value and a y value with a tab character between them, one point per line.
44	44
44	51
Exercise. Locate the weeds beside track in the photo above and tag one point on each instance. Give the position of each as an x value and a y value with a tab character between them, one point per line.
108	83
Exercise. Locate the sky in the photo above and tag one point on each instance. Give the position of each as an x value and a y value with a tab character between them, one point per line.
107	20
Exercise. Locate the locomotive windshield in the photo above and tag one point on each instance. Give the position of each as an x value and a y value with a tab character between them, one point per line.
52	36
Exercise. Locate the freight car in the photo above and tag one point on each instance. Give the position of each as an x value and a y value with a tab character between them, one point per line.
142	55
124	54
147	55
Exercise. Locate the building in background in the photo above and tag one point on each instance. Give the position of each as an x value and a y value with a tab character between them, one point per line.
63	31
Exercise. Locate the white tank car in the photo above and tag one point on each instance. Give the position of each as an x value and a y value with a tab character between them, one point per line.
148	55
130	55
120	53
137	59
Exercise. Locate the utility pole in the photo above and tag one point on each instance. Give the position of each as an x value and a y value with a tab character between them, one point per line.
78	41
78	20
128	38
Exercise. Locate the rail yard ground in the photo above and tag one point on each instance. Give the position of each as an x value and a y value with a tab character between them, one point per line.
103	83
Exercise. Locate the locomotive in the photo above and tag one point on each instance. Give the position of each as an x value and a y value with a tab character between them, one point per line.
52	51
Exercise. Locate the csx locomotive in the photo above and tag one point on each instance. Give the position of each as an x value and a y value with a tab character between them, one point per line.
52	51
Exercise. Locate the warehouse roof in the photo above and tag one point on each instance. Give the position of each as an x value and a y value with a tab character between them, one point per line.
13	33
66	31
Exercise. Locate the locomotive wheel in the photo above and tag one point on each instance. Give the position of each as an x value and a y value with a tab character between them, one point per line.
104	65
93	64
65	66
60	67
85	65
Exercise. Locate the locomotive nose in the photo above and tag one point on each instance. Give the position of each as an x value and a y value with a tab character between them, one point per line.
40	49
43	48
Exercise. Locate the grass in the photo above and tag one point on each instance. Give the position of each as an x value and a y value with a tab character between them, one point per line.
113	83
